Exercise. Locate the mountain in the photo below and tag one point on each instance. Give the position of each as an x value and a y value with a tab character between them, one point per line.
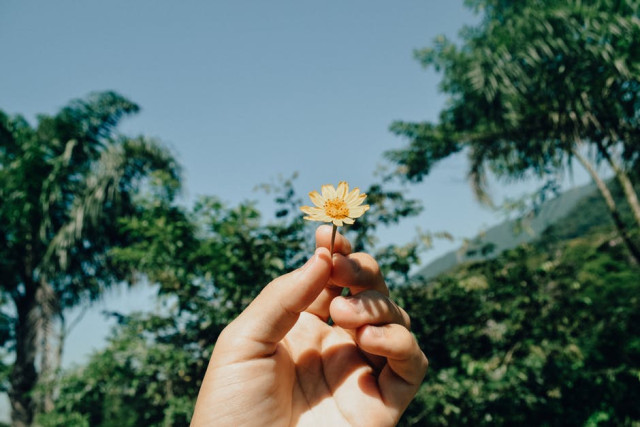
510	234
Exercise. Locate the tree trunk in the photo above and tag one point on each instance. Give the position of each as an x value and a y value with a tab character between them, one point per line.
632	197
47	368
24	376
625	183
611	204
48	307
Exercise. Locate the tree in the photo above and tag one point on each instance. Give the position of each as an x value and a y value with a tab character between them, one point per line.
547	333
535	85
64	186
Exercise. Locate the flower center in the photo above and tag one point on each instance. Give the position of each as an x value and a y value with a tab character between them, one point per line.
336	209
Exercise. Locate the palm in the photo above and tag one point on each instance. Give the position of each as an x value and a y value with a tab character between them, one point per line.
326	367
316	377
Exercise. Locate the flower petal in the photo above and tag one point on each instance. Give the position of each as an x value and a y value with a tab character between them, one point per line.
328	192
348	220
316	198
352	195
306	209
358	200
314	214
337	222
357	211
343	189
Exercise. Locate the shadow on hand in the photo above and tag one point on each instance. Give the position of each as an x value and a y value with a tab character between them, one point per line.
340	372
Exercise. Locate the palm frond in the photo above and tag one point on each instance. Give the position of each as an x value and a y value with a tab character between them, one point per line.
120	168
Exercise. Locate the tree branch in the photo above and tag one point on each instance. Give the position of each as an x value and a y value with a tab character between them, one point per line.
611	204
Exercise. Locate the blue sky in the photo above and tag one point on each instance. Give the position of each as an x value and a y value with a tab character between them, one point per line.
245	91
242	91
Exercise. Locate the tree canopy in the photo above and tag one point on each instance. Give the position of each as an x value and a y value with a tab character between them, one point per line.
64	186
534	86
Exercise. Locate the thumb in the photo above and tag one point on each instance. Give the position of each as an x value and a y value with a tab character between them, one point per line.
269	317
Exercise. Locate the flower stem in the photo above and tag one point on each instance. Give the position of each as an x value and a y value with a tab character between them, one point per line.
333	238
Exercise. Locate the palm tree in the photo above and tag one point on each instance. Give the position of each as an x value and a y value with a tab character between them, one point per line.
533	87
64	186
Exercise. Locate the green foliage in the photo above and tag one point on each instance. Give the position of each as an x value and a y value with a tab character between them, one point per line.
533	79
534	86
65	183
589	215
141	378
64	186
543	335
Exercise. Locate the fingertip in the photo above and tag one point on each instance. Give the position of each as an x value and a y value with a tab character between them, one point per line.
317	269
358	272
323	229
324	254
337	260
320	254
399	346
323	239
370	335
342	262
390	340
344	312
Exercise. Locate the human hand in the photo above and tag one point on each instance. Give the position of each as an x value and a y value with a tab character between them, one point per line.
281	363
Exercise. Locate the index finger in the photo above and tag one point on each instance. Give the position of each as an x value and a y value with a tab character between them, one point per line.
358	272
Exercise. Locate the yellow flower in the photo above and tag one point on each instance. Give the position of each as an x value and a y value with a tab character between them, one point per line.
338	206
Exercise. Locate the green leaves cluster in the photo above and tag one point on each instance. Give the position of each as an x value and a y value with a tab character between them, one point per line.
545	334
534	79
141	378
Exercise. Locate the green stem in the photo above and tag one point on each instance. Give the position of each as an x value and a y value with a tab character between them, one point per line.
333	237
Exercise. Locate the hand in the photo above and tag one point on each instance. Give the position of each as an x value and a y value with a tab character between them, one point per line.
281	363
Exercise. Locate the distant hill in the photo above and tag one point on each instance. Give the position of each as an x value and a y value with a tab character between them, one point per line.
509	234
